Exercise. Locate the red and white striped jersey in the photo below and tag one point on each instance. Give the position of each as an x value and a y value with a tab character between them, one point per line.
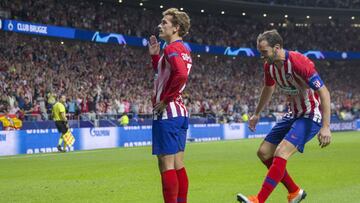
299	80
172	68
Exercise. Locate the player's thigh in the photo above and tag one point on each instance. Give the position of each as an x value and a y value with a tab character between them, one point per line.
302	131
166	162
278	132
266	150
179	160
285	150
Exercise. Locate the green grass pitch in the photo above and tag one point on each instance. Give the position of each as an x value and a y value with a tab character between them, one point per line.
217	172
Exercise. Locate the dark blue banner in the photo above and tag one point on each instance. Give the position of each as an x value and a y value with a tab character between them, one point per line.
37	29
93	36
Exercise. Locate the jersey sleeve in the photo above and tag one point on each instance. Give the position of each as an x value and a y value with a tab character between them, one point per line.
155	61
305	68
268	80
178	75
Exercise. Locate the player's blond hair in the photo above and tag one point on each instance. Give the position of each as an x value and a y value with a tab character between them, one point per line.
272	37
179	18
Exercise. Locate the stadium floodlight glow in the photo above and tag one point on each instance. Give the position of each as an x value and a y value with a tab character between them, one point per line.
141	4
307	17
61	42
181	8
161	6
264	15
353	18
202	10
330	17
120	1
198	55
286	16
222	12
244	14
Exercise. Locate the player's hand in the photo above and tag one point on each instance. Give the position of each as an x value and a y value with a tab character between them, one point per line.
154	46
159	107
324	137
253	121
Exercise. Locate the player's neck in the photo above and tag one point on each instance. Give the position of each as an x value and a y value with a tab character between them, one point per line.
173	39
280	58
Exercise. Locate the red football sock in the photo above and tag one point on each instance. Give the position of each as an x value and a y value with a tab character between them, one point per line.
286	180
273	177
170	186
183	185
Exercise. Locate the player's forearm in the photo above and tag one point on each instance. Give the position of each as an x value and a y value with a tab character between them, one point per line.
155	61
265	97
325	106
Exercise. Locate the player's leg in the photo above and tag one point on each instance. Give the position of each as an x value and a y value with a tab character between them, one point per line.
268	148
169	180
182	125
266	153
302	131
277	170
182	177
165	146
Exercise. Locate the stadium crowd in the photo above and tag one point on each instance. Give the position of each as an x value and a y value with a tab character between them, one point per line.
107	79
219	30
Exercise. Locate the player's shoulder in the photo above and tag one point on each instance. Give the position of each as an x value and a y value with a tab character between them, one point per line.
295	56
177	46
177	49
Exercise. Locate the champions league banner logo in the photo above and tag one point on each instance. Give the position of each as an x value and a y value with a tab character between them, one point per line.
106	38
230	52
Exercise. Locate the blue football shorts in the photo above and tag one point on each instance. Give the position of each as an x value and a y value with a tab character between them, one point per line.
169	135
298	131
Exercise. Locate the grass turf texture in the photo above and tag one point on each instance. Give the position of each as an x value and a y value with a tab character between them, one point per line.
217	172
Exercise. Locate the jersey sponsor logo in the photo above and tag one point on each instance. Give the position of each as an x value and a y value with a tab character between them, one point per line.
289	90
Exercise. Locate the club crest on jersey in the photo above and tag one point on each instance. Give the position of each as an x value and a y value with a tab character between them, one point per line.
289	77
186	57
317	84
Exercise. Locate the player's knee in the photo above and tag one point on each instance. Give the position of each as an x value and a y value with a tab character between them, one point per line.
166	163
263	154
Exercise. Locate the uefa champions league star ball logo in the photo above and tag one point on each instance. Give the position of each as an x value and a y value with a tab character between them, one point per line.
10	26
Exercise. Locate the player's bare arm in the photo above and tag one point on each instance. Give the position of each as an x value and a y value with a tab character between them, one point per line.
265	97
324	135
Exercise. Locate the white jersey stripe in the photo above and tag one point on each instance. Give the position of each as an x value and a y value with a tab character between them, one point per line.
278	79
271	71
307	103
173	109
